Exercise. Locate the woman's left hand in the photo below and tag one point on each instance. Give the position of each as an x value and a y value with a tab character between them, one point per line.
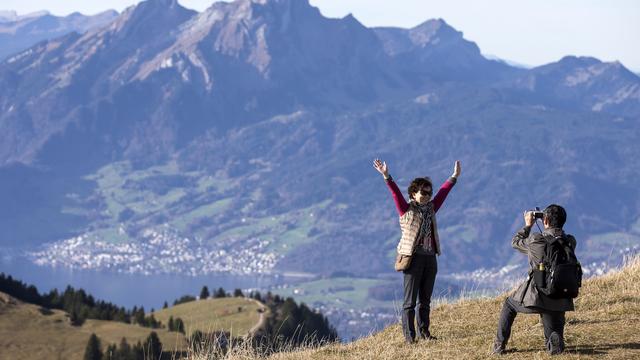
456	169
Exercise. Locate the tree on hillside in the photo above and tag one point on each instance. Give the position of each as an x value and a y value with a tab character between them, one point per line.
179	325
75	318
125	352
238	293
165	305
220	293
122	315
184	299
256	295
53	298
153	346
293	324
204	294
171	326
92	351
150	321
138	317
138	351
291	321
111	353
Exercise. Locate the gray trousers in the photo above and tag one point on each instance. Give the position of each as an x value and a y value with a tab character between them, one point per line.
419	279
552	321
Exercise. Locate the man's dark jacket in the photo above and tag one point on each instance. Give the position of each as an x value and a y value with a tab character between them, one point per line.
533	245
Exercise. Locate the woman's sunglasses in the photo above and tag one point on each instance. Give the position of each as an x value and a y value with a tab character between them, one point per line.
424	192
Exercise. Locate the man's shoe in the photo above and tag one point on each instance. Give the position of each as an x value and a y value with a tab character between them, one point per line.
410	341
498	348
555	345
428	337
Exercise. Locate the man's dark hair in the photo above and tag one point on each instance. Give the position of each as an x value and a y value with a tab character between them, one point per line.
555	215
419	183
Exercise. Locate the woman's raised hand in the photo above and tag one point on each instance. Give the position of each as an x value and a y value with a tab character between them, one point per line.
381	167
456	169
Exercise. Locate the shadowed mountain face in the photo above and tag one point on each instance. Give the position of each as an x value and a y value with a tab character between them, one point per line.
256	122
18	33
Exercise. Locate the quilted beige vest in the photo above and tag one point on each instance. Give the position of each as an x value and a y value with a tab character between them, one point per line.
410	225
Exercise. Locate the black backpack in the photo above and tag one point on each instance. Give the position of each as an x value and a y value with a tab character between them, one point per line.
560	274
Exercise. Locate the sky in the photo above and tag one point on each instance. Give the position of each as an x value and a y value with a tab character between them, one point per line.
529	32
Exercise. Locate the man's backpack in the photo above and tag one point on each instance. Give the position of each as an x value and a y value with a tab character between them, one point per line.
560	274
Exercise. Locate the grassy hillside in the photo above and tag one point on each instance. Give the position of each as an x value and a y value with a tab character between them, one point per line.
236	315
30	332
604	326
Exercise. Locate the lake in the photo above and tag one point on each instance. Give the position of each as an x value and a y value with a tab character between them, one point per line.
128	290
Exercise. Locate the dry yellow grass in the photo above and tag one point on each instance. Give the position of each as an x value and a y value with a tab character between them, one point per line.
27	332
605	325
215	314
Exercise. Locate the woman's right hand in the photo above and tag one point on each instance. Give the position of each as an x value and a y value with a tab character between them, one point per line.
381	167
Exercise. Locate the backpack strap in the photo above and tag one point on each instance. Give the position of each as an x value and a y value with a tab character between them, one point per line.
561	239
564	243
549	241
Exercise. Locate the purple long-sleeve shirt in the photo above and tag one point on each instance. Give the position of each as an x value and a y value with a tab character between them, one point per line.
402	206
438	200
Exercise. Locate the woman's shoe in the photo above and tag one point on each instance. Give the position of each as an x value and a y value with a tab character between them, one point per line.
498	348
428	337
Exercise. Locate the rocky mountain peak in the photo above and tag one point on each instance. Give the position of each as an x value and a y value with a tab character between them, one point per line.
245	15
572	61
425	38
162	3
150	18
434	30
585	67
268	36
272	9
153	15
298	5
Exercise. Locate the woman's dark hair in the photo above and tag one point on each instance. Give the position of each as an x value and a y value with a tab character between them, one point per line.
417	184
555	215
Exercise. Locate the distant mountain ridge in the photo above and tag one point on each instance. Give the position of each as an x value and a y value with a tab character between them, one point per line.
18	33
585	82
11	16
249	129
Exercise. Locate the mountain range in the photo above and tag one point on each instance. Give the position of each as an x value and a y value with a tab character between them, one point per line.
19	32
247	131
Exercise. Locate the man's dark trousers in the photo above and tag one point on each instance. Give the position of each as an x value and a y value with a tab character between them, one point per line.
419	279
552	321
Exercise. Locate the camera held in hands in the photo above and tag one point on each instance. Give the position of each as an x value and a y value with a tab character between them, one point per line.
537	213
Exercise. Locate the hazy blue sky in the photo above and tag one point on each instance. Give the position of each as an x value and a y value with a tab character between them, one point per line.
531	32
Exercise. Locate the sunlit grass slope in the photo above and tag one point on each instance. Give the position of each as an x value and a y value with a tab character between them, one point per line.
30	332
605	325
234	314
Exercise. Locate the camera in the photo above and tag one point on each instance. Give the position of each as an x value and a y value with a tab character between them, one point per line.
537	213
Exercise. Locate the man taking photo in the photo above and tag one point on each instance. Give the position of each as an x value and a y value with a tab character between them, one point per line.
532	297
